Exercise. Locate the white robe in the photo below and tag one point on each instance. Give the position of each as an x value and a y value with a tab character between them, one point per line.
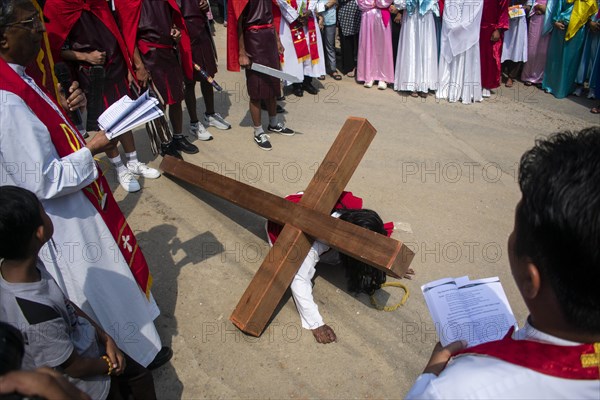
481	377
460	67
291	65
417	58
514	47
82	256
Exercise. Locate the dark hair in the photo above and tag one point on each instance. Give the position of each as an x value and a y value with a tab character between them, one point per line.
361	276
7	12
19	218
11	348
558	220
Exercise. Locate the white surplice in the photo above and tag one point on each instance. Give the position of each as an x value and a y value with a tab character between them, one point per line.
417	58
460	67
82	256
291	65
482	377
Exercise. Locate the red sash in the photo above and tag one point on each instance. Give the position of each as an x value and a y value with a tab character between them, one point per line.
66	140
347	201
580	362
304	51
129	11
42	69
63	14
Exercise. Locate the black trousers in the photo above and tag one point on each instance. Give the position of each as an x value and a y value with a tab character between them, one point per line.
349	47
136	381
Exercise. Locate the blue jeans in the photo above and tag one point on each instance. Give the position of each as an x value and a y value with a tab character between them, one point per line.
328	35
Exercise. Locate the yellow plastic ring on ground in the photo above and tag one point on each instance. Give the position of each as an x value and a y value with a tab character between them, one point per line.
394	307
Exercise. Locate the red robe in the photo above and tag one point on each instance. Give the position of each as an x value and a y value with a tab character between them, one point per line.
128	12
494	16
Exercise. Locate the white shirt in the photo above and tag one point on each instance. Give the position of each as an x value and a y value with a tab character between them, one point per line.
481	377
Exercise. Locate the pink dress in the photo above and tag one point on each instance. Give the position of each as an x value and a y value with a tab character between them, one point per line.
375	54
537	49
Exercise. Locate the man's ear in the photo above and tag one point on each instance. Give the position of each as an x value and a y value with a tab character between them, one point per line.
3	41
531	283
40	233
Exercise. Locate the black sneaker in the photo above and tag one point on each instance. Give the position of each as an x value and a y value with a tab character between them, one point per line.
168	149
163	356
281	129
262	141
182	144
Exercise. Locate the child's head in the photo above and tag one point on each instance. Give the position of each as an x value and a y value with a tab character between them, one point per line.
361	276
24	225
557	224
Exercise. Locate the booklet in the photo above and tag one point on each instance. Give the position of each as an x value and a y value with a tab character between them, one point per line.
127	114
476	311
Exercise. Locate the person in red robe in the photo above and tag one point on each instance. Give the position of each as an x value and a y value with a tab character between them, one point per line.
204	55
84	33
153	32
252	37
494	21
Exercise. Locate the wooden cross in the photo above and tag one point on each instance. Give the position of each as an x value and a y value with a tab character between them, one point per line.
302	222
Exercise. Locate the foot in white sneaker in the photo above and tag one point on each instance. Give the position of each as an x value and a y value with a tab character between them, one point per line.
382	85
217	121
198	130
139	168
128	182
369	84
486	93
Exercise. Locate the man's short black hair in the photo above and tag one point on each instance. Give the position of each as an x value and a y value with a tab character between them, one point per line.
7	12
19	218
361	276
558	220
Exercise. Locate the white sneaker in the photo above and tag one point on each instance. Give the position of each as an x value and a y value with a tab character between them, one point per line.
128	182
486	93
369	84
139	168
217	121
382	85
198	130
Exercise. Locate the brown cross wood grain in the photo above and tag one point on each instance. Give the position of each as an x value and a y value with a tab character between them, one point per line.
302	222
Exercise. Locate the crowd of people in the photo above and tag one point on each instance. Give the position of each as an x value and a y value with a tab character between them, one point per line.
460	50
69	261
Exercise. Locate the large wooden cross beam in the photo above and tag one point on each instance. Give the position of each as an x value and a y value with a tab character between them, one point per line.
302	223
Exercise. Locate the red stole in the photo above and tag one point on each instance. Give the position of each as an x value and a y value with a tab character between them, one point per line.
63	14
66	140
346	201
304	51
580	362
129	11
42	69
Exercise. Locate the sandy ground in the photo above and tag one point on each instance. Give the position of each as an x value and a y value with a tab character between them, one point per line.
446	171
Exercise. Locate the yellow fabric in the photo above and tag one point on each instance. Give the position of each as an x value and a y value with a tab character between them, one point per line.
582	11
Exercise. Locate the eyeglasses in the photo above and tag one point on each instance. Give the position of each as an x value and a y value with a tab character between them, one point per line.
33	23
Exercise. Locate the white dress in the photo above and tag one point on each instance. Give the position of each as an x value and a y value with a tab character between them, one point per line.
291	65
417	58
82	257
514	47
460	66
482	377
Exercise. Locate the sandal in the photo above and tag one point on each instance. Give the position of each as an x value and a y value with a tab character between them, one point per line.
595	110
351	74
527	83
321	78
509	83
336	75
414	94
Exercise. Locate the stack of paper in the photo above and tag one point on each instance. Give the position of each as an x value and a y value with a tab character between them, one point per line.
476	311
127	114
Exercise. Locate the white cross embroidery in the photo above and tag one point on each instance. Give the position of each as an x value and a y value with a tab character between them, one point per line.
126	244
